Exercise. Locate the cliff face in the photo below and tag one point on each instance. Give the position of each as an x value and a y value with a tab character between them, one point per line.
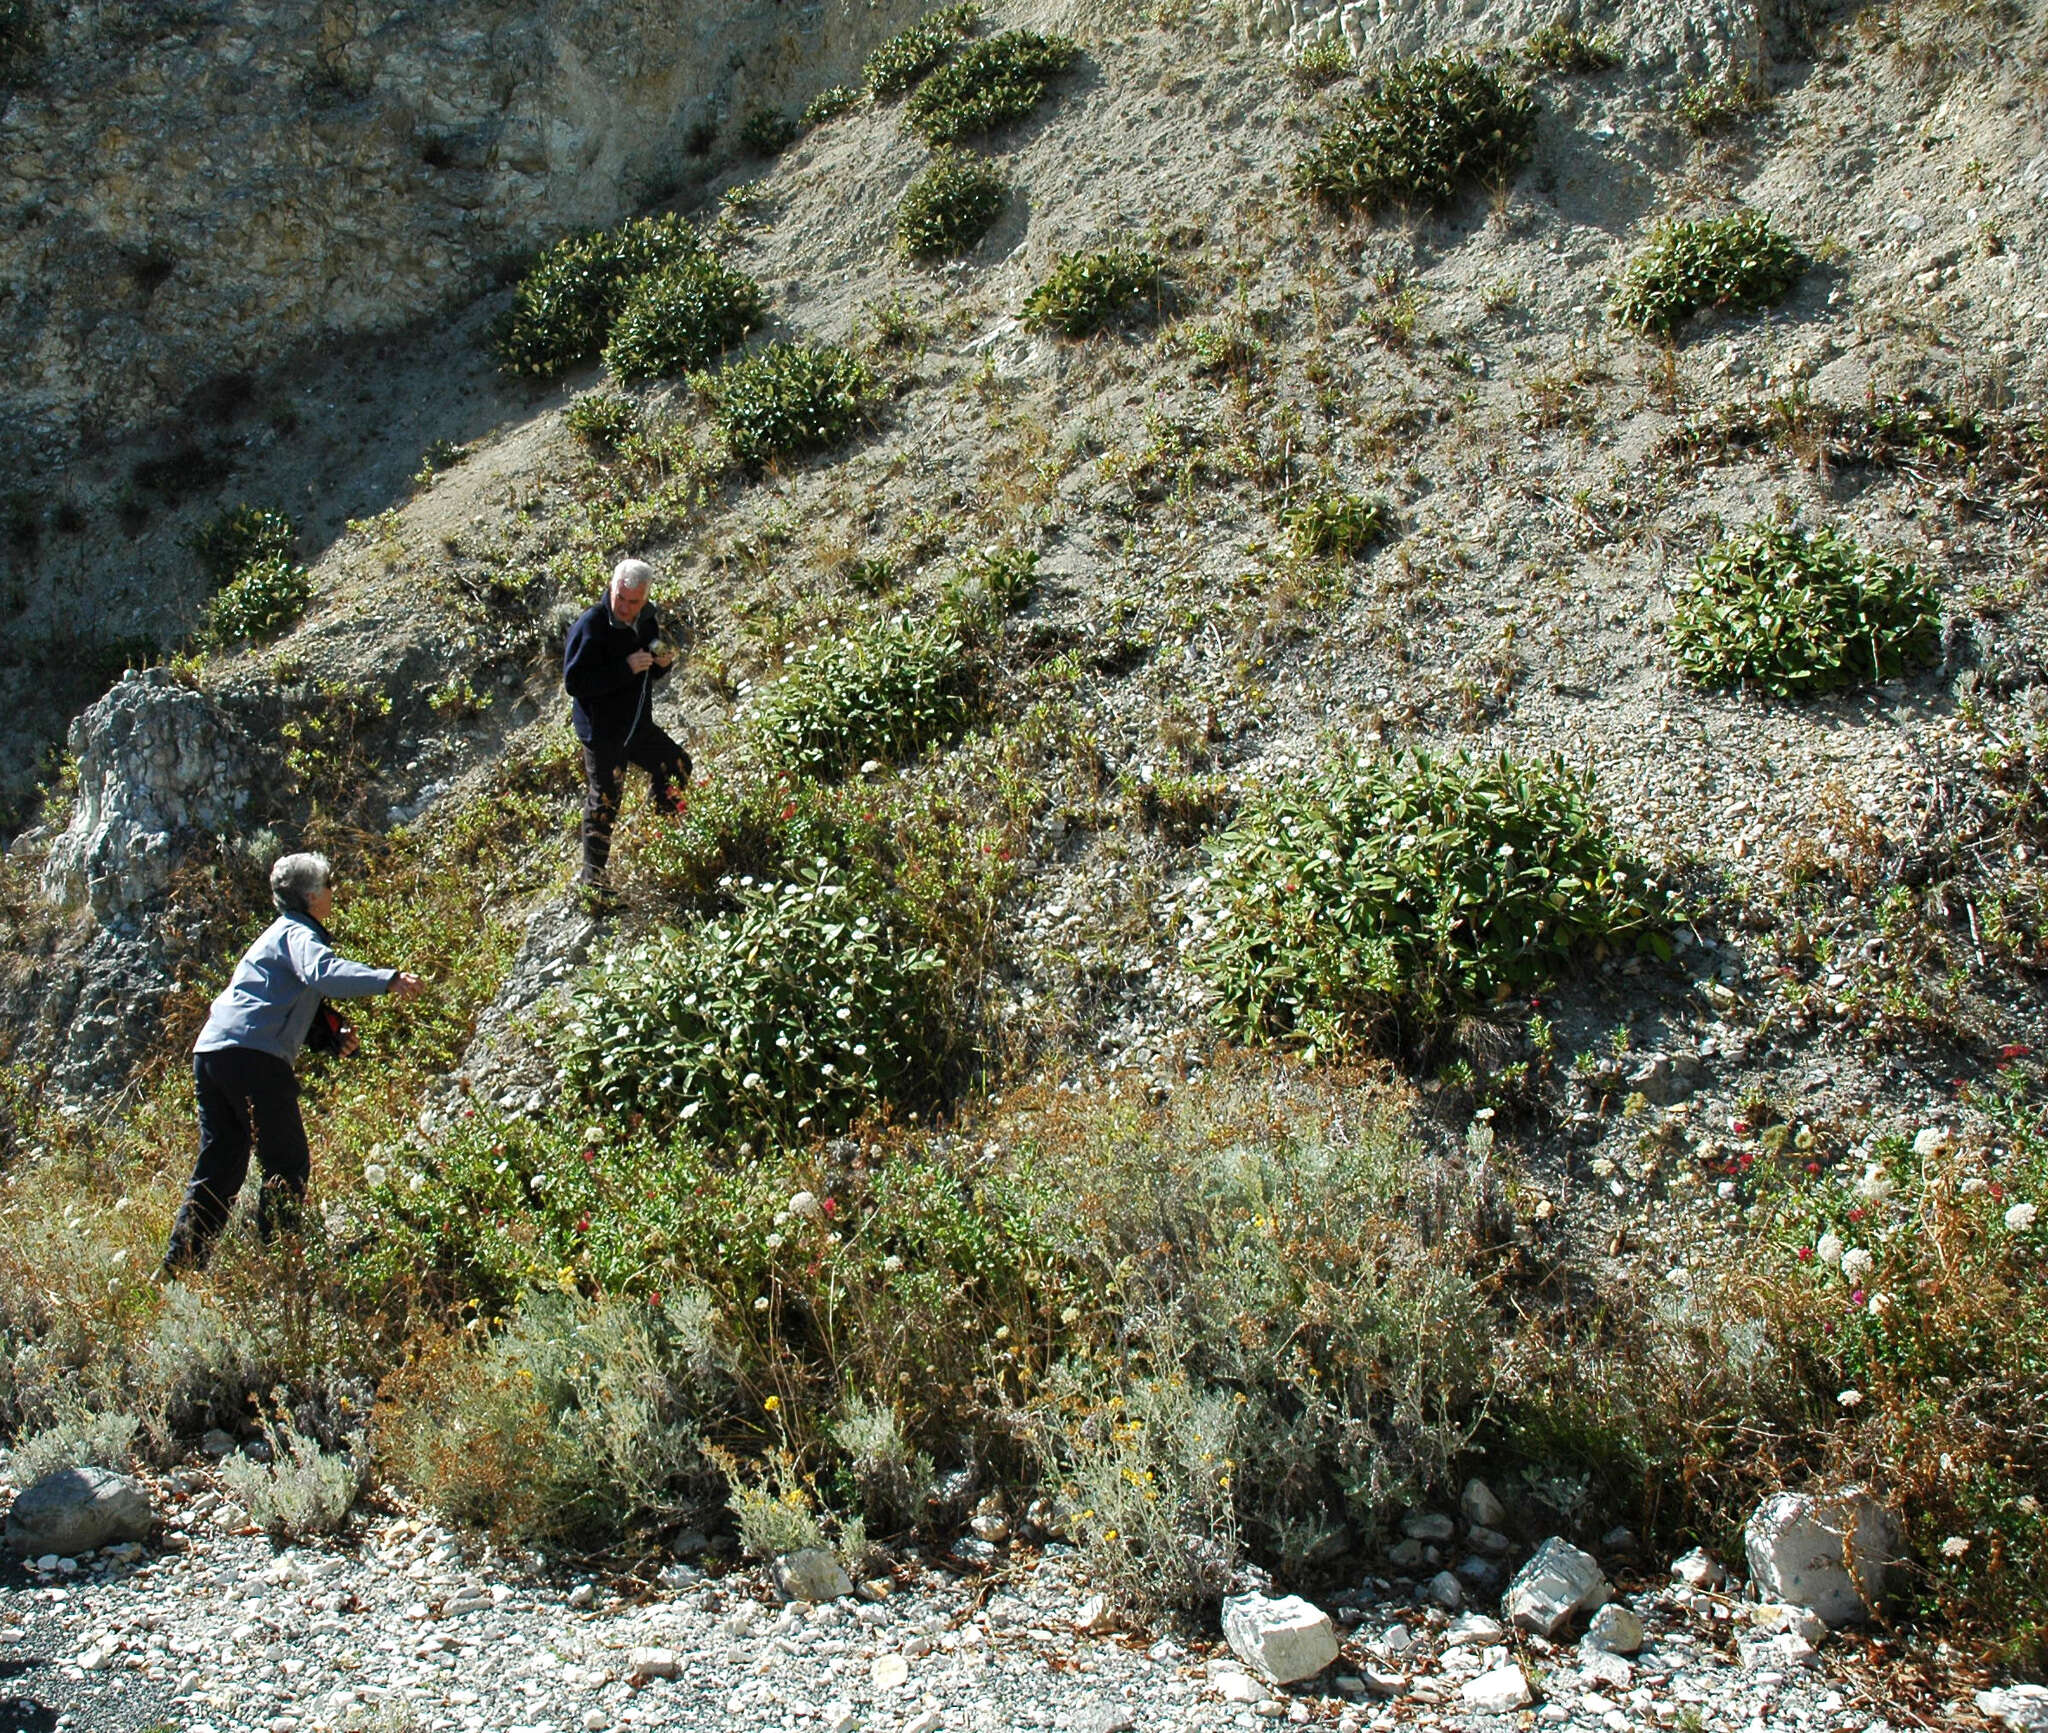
192	190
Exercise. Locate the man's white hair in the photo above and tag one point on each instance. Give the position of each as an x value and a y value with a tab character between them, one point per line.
632	575
296	877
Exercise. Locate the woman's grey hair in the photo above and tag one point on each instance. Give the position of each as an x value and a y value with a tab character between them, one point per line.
295	878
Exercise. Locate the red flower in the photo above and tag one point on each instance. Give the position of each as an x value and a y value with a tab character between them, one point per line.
830	1207
2018	1050
789	811
1857	1298
590	1155
1856	1215
1740	1127
1806	1254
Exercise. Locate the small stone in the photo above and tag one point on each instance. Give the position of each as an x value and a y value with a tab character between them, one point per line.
889	1672
583	1596
1394	1639
1095	1618
1497	1693
1488	1540
1800	1621
1615	1629
1286	1639
1405	1555
929	1722
2022	1708
811	1575
1797	1543
1558	1582
1111	1720
1429	1525
1383	1682
214	1442
1237	1686
838	1717
1474	1630
1481	1508
1699	1570
1599	1667
645	1664
1444	1590
595	1721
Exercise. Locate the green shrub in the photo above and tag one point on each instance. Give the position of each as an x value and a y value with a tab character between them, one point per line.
80	1439
907	57
950	206
681	318
1322	63
1738	262
574	1422
1559	48
989	84
1374	898
266	599
997	574
303	1490
1427	131
768	132
563	308
1713	105
830	105
787	1019
1085	291
791	399
223	545
885	691
604	420
1800	614
1339	525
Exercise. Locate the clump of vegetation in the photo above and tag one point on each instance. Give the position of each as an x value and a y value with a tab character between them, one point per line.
789	1018
1713	105
563	308
791	399
267	598
989	84
79	1439
681	318
1368	902
950	206
1085	291
240	537
885	691
573	1422
1322	63
1557	47
604	420
927	45
1801	614
21	40
1339	525
830	105
768	132
1738	263
1427	131
303	1490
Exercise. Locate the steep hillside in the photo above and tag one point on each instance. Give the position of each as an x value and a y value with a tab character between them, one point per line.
1369	805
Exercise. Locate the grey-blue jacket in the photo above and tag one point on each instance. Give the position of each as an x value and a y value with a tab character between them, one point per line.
278	985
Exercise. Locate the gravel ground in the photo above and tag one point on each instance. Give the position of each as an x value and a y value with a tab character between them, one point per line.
405	1627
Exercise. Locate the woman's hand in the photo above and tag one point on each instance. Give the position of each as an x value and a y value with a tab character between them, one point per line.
407	986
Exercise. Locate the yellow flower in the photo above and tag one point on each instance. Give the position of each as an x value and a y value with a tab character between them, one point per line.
773	1403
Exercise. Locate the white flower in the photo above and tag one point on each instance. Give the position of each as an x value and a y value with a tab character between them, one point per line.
1875	1185
593	1134
805	1205
775	1242
892	1263
1973	1185
1849	1398
374	1174
2021	1217
761	1305
1829	1250
1954	1547
1856	1264
1879	1305
1932	1140
752	1080
417	1181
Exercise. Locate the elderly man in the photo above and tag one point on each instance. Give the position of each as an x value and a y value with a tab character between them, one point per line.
614	655
242	1061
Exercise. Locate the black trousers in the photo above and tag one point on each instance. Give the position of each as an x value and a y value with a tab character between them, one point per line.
604	775
245	1097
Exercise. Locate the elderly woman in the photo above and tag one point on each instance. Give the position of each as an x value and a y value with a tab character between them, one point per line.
242	1061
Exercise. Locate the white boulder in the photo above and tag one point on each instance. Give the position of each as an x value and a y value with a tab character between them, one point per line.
1285	1638
1698	1569
811	1575
1615	1629
1499	1692
2021	1708
1827	1551
1557	1582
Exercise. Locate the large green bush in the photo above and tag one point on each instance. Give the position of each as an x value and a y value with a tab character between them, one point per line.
265	599
682	317
886	690
1085	291
950	206
239	537
1372	899
786	1019
791	399
1739	263
563	308
989	84
910	55
1800	614
1427	131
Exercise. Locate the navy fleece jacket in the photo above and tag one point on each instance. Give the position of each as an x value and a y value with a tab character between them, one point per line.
608	698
